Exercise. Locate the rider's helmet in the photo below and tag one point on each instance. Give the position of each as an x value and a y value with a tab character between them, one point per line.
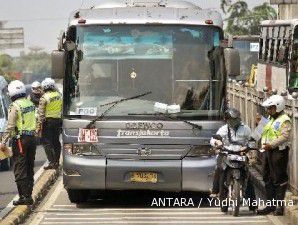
232	117
275	100
232	113
16	88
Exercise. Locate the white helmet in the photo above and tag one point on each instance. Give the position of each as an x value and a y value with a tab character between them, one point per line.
48	83
35	84
16	87
276	100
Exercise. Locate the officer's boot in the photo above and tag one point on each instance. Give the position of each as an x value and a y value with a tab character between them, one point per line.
280	195
270	195
26	198
21	195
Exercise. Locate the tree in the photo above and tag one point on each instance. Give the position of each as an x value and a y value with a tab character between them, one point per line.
224	4
260	13
238	18
6	63
243	21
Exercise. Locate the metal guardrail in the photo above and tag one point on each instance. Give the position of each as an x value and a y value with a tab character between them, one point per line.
248	101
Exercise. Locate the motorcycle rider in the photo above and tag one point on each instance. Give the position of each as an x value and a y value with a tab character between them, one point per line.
234	132
275	137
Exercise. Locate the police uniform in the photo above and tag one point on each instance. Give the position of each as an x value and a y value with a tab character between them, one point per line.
21	128
49	122
276	133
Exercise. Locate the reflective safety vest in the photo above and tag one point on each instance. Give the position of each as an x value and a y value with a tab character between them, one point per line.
26	121
272	130
54	104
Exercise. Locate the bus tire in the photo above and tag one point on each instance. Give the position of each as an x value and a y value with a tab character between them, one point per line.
77	196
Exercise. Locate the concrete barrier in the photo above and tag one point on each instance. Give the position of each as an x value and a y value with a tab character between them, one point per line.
18	214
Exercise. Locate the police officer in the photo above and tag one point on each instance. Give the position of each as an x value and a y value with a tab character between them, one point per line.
234	132
21	127
49	122
275	137
36	93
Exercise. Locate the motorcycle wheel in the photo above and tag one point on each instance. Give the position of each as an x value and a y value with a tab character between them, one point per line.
235	195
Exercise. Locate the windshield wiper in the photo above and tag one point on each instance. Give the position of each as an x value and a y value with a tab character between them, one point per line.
112	104
193	125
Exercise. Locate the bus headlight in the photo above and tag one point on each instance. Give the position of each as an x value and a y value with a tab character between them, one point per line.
200	150
85	149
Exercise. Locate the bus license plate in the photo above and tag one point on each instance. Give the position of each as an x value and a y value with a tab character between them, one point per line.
143	177
87	135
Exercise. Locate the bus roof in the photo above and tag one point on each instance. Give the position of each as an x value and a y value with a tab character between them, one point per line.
247	37
291	22
153	12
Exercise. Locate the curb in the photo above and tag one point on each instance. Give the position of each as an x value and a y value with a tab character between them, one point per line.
19	213
291	212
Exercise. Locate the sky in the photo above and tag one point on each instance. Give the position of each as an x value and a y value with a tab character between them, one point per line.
43	20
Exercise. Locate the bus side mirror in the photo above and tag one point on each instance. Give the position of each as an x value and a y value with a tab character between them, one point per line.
232	62
58	64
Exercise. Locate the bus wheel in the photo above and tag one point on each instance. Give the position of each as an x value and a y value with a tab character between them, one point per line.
77	196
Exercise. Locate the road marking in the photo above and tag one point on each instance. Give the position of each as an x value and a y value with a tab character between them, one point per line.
136	213
155	218
155	222
140	209
10	206
40	215
275	220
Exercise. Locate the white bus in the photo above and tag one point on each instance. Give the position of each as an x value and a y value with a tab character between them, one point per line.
126	66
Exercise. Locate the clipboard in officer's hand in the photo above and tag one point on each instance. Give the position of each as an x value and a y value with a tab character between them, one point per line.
5	153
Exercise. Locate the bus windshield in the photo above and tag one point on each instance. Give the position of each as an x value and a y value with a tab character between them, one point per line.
179	64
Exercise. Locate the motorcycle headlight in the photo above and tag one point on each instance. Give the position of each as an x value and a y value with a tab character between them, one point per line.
85	149
200	150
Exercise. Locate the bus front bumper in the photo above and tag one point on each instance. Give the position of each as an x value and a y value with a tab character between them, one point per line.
188	174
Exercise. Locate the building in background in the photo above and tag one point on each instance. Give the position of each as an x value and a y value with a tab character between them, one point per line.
287	9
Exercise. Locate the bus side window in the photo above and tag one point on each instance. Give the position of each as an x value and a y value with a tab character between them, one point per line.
282	54
276	50
261	49
265	52
271	54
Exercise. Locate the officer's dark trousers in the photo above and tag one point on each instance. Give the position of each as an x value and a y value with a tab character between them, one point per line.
50	137
275	173
24	164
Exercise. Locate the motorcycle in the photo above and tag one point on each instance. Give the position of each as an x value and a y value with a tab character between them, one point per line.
234	176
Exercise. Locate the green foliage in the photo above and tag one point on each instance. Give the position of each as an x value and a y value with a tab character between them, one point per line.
6	63
34	62
32	65
243	21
